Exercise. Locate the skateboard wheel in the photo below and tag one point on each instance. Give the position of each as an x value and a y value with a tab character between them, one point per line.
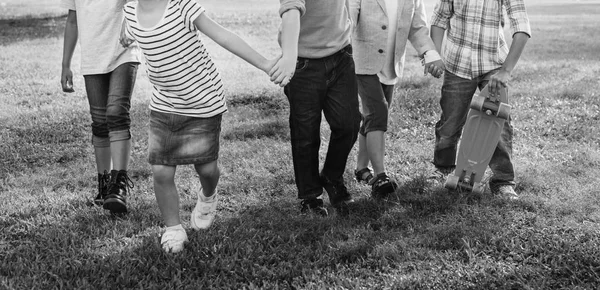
503	111
451	182
477	103
477	188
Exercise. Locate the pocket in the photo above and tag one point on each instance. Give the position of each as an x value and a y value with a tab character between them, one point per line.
301	64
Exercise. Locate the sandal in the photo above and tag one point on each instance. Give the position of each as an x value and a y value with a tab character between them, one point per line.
364	175
383	186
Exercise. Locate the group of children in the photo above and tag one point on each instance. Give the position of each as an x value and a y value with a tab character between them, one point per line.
332	52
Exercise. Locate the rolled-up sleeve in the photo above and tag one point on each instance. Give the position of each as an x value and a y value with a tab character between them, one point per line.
517	15
442	14
286	5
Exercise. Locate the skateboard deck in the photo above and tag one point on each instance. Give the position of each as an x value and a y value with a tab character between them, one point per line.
480	136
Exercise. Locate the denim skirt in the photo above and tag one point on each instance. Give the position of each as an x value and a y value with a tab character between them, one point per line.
176	139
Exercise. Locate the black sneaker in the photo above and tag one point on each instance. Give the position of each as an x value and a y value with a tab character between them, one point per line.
383	186
315	205
103	181
115	199
339	197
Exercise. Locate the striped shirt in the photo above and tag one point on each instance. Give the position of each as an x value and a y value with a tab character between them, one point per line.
475	42
184	78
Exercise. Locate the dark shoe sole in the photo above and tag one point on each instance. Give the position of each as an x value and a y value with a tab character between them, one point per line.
383	191
115	205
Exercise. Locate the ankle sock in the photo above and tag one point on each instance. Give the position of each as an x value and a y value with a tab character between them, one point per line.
175	228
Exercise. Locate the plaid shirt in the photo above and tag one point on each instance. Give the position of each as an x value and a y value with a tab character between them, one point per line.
475	42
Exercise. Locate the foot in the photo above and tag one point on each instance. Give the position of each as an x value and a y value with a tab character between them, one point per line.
172	241
363	175
313	205
505	192
383	186
204	212
116	196
339	197
439	175
103	181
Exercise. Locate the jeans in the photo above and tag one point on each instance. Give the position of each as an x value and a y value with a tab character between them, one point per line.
456	98
109	96
325	85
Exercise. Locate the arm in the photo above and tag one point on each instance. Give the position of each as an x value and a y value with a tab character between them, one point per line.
418	35
500	80
437	35
70	41
232	42
284	69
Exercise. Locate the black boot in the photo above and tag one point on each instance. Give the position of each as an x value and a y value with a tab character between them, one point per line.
116	197
103	181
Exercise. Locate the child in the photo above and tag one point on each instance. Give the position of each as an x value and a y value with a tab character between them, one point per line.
317	71
109	71
476	54
187	102
379	40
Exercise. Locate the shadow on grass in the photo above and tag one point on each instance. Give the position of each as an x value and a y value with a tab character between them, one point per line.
270	245
28	28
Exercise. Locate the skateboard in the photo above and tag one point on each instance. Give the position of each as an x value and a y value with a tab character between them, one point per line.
480	136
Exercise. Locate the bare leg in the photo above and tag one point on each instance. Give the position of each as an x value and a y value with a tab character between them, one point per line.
103	159
166	193
209	177
362	160
376	150
120	154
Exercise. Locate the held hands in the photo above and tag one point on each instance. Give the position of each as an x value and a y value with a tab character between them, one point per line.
435	68
498	82
66	80
282	72
123	39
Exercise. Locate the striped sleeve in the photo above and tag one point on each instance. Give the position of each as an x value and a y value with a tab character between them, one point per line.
190	11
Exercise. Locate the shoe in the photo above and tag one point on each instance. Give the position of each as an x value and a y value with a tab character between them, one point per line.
505	191
204	212
363	175
439	176
383	186
339	197
315	205
116	196
172	240
103	181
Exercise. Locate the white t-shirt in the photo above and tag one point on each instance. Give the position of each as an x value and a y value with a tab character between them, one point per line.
184	78
388	74
99	26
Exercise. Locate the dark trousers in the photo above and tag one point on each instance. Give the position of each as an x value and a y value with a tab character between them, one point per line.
456	98
322	86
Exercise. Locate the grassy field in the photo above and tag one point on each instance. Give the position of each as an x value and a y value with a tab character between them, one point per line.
422	238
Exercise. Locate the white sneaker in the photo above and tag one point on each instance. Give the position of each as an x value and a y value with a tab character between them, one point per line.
506	192
204	212
172	240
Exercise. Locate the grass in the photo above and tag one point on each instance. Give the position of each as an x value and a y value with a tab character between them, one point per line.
422	238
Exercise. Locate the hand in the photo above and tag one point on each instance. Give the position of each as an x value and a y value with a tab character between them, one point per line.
498	82
283	71
123	39
66	80
435	68
269	64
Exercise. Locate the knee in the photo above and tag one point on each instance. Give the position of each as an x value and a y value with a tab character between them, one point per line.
162	174
117	117
208	170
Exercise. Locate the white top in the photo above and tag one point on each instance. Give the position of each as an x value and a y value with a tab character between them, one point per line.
99	25
184	78
388	74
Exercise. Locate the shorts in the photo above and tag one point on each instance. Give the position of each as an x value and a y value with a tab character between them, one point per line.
376	100
176	140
